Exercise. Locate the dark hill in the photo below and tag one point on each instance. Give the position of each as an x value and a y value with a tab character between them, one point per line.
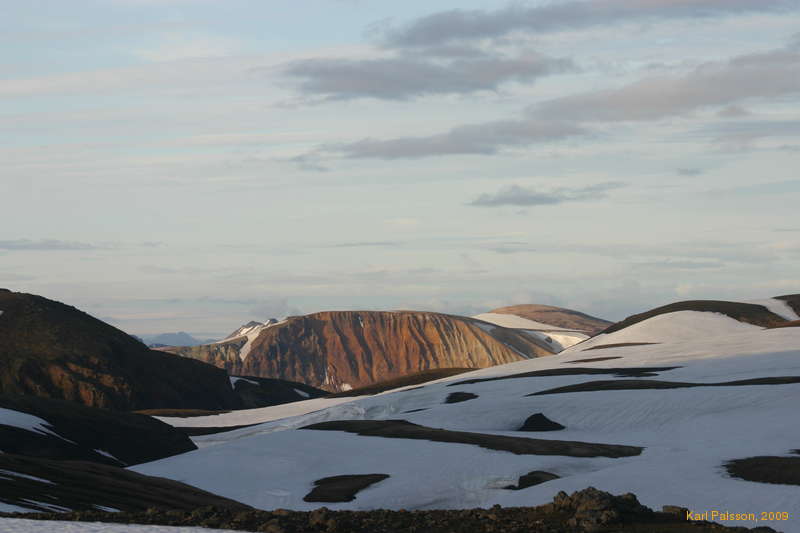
556	316
757	315
793	300
74	431
47	485
53	350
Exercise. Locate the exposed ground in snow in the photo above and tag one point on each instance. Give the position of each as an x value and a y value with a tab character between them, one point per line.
688	434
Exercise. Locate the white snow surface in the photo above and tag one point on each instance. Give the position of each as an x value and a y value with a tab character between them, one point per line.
697	326
779	307
25	421
688	434
256	416
19	525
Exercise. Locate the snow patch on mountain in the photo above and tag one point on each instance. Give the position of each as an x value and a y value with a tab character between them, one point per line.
777	306
516	322
557	338
697	326
9	417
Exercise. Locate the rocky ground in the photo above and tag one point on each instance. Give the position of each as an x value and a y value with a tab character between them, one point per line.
589	511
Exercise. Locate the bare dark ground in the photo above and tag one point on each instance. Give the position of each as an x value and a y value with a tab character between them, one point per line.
539	422
458	397
413	379
779	470
80	485
204	430
632	372
402	429
755	314
643	384
537	477
341	488
593	359
618	345
180	413
792	324
589	510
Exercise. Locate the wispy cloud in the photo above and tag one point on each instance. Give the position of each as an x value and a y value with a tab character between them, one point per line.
515	195
405	77
364	244
485	138
462	25
688	171
46	245
762	75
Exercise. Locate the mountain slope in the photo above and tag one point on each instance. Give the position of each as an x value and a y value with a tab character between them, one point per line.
58	429
339	350
52	350
556	316
731	391
756	314
36	484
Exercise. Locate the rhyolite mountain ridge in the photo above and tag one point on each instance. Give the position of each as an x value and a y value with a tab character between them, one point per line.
339	350
53	350
556	316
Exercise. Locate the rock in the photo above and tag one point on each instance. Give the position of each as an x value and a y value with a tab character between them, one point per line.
676	510
593	509
539	422
457	397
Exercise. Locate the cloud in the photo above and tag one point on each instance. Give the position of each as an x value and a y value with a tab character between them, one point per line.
274	308
402	78
364	244
521	196
769	74
688	171
461	25
483	138
46	245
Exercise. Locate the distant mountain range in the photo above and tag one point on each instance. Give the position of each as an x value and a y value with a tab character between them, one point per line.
180	338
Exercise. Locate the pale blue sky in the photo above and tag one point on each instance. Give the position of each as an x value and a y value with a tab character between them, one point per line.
193	164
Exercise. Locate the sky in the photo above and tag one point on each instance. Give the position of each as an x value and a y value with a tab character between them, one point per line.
190	165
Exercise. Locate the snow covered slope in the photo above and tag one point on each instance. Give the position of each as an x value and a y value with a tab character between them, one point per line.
688	428
560	338
677	326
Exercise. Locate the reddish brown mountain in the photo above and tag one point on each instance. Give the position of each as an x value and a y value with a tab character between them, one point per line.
556	316
336	350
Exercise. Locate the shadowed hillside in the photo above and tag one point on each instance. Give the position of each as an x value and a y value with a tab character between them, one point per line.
53	350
